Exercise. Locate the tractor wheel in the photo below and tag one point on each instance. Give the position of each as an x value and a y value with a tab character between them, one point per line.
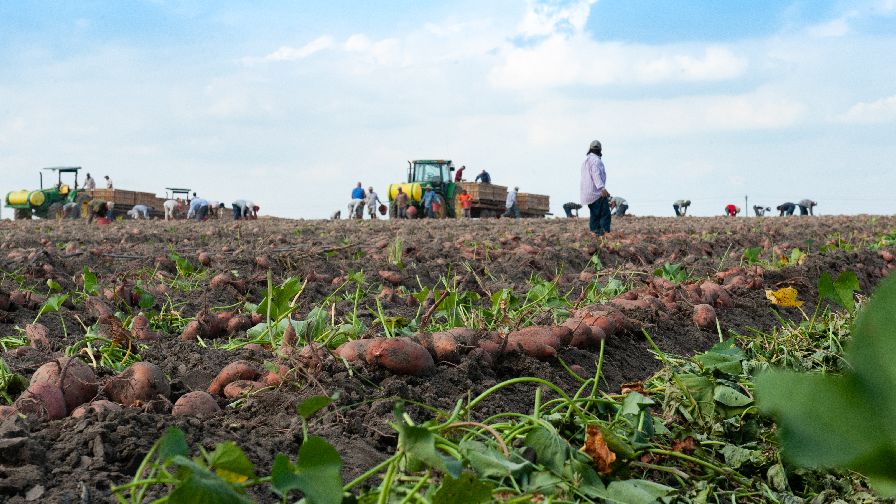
55	211
22	214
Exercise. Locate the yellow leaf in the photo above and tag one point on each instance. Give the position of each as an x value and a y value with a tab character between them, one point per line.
231	476
784	297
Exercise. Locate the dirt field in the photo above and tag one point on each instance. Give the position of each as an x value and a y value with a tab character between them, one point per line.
77	459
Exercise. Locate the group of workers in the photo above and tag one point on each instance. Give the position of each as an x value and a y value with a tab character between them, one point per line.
90	184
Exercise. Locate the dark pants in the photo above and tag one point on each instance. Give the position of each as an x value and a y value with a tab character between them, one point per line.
201	213
803	210
513	211
599	222
620	210
237	212
677	210
787	210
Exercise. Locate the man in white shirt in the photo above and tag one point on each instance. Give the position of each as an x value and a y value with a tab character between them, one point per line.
89	183
108	182
806	207
512	209
594	190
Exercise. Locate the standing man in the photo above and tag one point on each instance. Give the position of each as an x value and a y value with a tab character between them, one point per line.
681	207
459	175
512	209
89	183
466	202
357	201
785	209
428	197
373	201
806	207
108	182
401	204
593	188
620	205
483	177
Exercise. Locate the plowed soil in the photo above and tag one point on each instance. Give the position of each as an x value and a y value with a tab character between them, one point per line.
77	460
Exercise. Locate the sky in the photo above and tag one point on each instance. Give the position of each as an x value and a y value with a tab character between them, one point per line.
290	104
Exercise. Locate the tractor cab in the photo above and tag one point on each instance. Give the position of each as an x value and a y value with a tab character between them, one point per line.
430	172
64	189
178	193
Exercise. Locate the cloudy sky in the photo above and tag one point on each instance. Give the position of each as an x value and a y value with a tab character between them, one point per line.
291	103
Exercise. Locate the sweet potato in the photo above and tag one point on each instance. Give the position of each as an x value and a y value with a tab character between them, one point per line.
97	406
353	351
78	384
277	377
98	308
191	331
240	388
238	323
704	316
221	280
532	341
289	337
204	259
393	277
886	255
42	401
447	345
713	294
38	335
4	301
399	355
262	262
196	404
26	299
141	382
237	370
7	411
207	326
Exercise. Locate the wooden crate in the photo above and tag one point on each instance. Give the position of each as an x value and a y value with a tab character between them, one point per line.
533	202
485	192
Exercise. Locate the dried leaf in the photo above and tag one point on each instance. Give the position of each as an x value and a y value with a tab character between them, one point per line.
596	447
784	297
686	445
633	387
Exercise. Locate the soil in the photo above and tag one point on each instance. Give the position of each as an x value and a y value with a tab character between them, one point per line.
78	459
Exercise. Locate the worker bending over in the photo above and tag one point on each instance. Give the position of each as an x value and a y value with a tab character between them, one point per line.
483	177
786	208
806	207
681	207
619	205
244	209
760	210
198	209
732	210
139	211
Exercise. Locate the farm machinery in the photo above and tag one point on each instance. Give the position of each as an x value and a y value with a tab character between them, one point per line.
488	200
46	203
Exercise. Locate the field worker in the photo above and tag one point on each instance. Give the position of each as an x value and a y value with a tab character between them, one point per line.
97	209
569	207
170	207
512	209
89	183
593	186
373	201
466	203
108	182
336	215
806	207
357	200
732	210
428	197
401	204
786	209
483	177
242	209
198	209
760	210
681	207
459	175
215	208
620	205
139	211
71	210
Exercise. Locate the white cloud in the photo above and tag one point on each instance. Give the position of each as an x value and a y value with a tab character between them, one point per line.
286	53
830	29
878	111
381	52
547	18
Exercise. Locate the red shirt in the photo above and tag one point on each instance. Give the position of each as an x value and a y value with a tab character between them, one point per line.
465	200
458	176
731	210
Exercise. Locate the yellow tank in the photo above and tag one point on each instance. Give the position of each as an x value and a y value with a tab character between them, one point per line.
25	197
412	189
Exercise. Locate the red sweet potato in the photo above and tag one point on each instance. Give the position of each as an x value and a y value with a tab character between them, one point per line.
532	341
42	401
78	384
238	323
237	370
138	384
195	404
38	334
240	388
97	406
353	351
399	355
393	277
7	411
221	280
704	316
447	345
713	294
204	259
277	377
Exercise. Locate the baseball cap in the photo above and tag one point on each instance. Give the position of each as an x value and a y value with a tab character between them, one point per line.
595	145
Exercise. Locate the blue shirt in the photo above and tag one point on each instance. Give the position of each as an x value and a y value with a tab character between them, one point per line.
197	203
485	177
357	193
428	198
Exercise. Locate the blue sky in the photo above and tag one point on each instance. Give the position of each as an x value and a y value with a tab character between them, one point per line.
290	103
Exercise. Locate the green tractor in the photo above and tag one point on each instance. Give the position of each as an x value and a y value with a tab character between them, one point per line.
435	174
46	203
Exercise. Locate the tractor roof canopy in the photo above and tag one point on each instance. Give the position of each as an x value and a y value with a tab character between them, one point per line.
64	169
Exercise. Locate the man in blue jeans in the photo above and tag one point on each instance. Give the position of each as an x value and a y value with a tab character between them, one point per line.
594	190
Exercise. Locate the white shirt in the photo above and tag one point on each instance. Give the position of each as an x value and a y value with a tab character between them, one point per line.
594	179
89	183
511	199
108	183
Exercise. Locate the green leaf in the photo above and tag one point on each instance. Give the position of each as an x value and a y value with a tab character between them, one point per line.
702	390
489	463
735	456
312	405
636	492
551	450
634	403
53	285
54	303
203	486
467	488
230	462
420	445
730	397
844	421
724	356
840	291
173	443
90	282
318	473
